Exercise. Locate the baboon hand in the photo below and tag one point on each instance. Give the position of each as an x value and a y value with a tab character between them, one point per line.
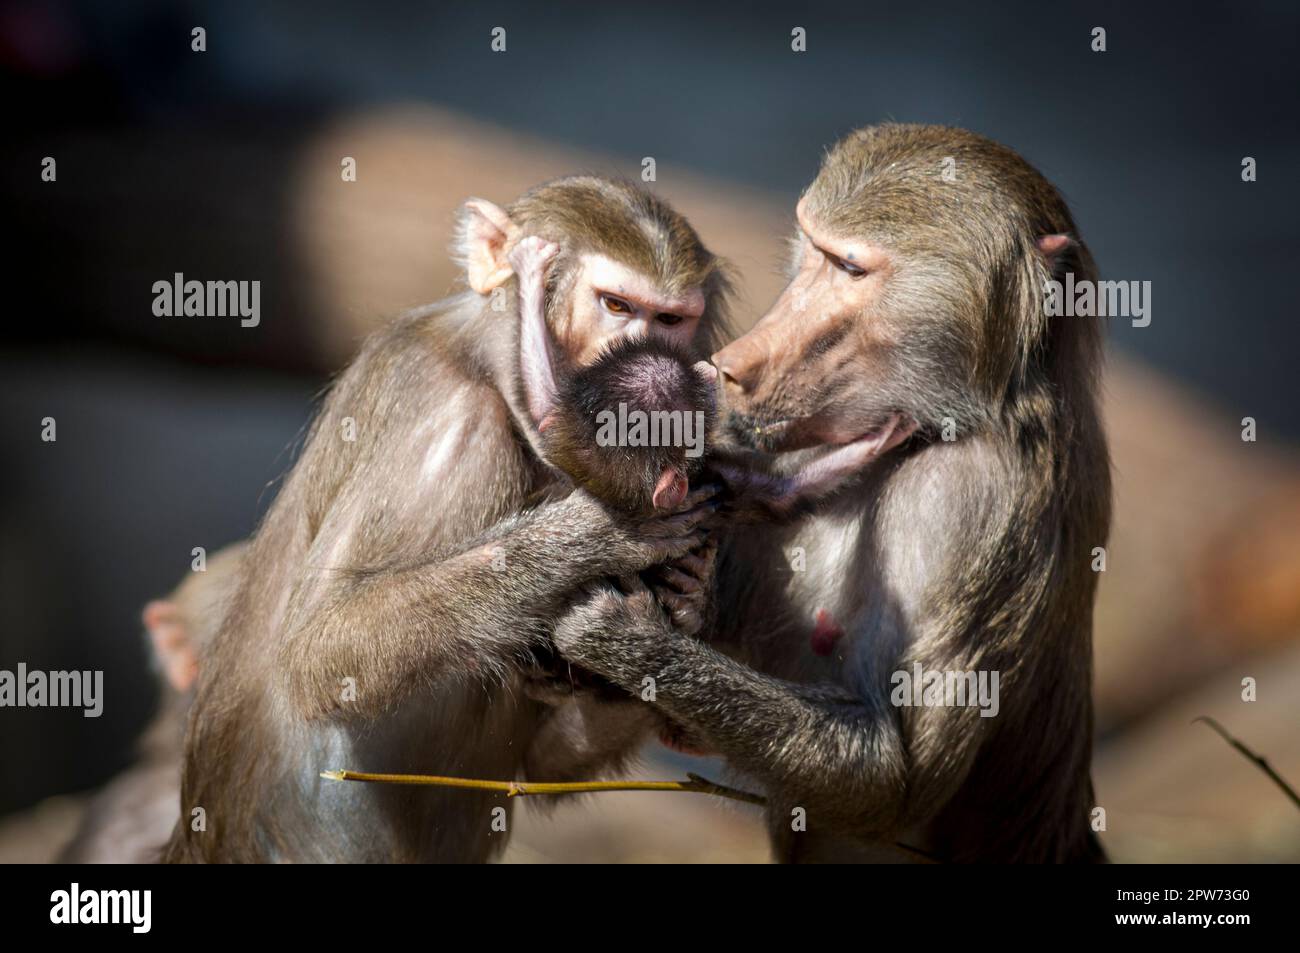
613	632
530	256
684	587
618	545
664	537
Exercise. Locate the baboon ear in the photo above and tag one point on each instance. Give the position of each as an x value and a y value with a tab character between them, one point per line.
1053	245
485	233
171	643
671	489
1059	252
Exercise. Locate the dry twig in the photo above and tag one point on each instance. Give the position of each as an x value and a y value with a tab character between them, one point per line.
1259	761
695	784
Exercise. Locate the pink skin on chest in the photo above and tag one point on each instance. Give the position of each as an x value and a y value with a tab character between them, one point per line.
826	632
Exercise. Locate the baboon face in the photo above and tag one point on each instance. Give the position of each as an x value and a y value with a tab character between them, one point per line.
911	291
607	301
629	265
620	286
795	380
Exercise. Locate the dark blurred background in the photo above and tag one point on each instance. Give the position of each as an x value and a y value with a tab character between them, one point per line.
225	165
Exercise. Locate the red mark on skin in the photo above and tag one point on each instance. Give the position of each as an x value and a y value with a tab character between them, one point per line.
825	633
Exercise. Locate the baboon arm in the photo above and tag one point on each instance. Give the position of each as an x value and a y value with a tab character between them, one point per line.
469	612
820	747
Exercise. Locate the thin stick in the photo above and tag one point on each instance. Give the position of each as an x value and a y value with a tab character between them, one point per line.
1259	761
696	785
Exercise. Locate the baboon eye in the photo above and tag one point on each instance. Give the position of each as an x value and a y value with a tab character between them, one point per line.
850	269
616	305
668	319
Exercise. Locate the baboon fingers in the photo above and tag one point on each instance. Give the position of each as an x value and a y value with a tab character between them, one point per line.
682	582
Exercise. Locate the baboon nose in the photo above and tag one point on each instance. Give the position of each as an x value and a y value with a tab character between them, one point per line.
726	371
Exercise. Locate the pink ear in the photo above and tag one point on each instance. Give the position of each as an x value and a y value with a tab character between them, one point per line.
670	490
487	230
1053	245
171	643
158	613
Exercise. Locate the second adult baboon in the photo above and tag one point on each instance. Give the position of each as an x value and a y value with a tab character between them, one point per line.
968	550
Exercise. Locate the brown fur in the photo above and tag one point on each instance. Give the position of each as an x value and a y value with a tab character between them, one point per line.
405	560
966	555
